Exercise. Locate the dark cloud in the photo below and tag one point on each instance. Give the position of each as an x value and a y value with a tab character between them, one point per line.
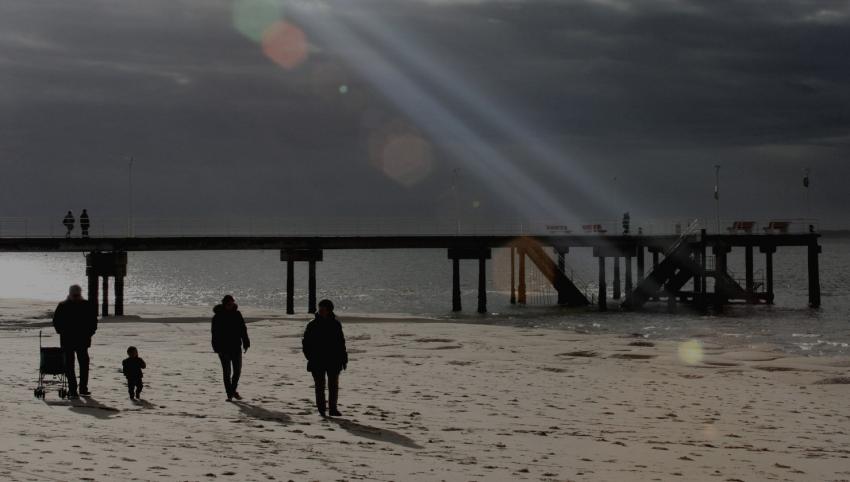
571	93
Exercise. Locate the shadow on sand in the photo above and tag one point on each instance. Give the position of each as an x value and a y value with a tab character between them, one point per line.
263	414
143	403
375	433
87	406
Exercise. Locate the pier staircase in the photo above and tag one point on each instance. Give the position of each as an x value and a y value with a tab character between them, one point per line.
568	293
667	279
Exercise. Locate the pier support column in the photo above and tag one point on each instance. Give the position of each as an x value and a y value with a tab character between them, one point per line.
93	288
641	270
105	297
513	276
628	275
290	257
480	254
521	295
482	285
119	296
748	274
768	271
603	287
290	287
311	286
616	277
814	275
103	265
456	303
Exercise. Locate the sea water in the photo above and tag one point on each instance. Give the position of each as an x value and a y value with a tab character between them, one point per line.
418	282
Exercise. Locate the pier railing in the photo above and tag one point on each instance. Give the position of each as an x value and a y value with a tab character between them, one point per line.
39	227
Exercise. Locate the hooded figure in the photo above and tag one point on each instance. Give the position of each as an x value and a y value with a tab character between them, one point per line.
324	347
68	222
229	340
75	320
85	223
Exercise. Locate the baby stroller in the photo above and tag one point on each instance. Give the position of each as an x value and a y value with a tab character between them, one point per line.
51	362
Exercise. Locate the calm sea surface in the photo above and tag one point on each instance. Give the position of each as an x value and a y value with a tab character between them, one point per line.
419	283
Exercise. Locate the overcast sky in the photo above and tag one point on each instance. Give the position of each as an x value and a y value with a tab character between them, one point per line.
561	110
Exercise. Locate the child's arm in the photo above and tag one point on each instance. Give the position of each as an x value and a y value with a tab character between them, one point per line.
142	363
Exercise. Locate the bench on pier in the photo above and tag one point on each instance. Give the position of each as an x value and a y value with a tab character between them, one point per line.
593	228
558	228
741	227
777	227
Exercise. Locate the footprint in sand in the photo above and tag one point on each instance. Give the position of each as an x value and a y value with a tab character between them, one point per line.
632	356
579	353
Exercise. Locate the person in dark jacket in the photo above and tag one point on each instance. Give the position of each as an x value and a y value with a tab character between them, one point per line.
75	320
324	348
85	223
68	222
132	367
229	339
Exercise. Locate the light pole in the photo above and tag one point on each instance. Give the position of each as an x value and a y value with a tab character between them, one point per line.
717	195
806	182
456	196
130	197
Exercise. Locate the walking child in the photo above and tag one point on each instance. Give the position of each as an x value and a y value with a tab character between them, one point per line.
132	368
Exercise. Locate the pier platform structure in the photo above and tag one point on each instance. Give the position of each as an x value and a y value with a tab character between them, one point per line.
676	261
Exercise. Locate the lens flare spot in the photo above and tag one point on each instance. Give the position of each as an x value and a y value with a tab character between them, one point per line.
343	89
285	44
252	18
476	204
709	432
690	352
407	159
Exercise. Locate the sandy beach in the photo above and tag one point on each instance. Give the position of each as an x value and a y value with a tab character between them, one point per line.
429	401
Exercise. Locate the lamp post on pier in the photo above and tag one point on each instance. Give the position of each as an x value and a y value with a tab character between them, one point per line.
130	197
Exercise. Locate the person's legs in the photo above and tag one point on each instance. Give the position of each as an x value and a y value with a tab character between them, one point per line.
131	387
236	358
225	368
139	387
333	391
83	359
319	381
70	373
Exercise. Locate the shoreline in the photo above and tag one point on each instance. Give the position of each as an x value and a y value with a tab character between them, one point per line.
18	314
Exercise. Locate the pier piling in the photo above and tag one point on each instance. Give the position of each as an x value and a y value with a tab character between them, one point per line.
814	275
513	275
768	270
603	288
290	257
749	283
456	302
617	293
521	295
482	285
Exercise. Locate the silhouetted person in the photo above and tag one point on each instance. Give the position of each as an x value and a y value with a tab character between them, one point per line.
132	367
229	339
68	221
324	347
75	320
85	223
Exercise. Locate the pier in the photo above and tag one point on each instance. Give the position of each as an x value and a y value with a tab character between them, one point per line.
677	261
